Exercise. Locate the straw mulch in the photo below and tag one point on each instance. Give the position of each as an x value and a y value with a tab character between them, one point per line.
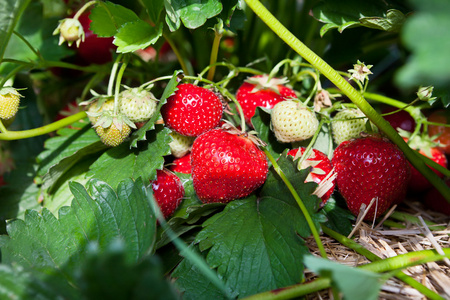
387	242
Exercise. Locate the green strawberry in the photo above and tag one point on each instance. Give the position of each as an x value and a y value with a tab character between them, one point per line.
9	102
181	144
292	121
348	124
137	104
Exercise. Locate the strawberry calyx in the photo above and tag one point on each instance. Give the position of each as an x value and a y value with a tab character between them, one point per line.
251	135
107	118
422	143
264	82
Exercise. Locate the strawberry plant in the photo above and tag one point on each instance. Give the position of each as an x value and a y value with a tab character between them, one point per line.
221	149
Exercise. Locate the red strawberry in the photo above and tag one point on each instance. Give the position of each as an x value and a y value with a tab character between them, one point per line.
435	201
226	166
94	49
371	167
259	91
182	164
168	191
400	119
192	110
321	173
424	145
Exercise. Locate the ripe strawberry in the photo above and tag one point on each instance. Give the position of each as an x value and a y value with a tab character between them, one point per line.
181	144
322	171
440	132
168	191
260	91
401	119
226	166
94	49
192	110
113	130
137	104
435	201
292	121
418	183
182	164
9	102
348	124
371	167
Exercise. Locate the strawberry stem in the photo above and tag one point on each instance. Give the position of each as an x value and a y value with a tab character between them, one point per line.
196	259
299	201
218	32
17	135
117	87
2	127
355	96
112	76
401	261
358	248
82	9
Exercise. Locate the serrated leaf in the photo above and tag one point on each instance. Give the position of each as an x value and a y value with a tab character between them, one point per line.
108	18
266	254
348	13
275	188
43	242
120	162
170	89
136	35
192	13
354	283
426	35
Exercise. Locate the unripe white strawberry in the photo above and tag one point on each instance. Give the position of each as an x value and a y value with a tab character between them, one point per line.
181	144
113	129
9	102
96	108
348	124
137	104
292	121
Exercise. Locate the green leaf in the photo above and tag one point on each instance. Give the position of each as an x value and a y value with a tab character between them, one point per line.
192	13
337	218
426	35
72	145
393	21
108	275
140	135
354	283
266	254
40	37
154	9
344	14
136	35
10	12
192	282
43	242
108	18
261	123
274	188
120	162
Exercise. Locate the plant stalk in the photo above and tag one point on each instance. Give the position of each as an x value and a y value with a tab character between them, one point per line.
355	96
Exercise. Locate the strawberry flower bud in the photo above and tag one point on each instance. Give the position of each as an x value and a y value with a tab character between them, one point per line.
70	30
425	93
